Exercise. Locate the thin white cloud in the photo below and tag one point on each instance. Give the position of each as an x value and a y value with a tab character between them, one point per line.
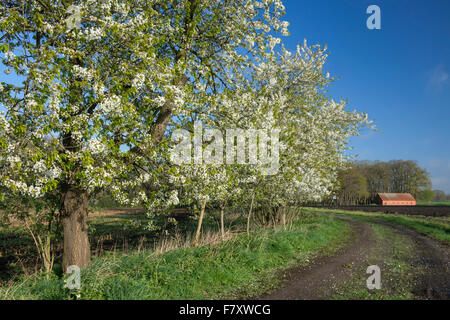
438	78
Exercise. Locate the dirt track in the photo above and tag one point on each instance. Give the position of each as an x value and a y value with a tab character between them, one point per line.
320	279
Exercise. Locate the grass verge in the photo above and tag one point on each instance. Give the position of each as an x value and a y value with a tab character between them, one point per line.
241	267
433	203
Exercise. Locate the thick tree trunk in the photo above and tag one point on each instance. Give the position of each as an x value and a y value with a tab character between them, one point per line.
74	214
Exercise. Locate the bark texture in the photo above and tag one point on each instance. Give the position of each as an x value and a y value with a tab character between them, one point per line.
74	214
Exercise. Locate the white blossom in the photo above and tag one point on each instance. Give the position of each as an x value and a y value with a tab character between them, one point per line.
83	73
94	33
139	81
110	105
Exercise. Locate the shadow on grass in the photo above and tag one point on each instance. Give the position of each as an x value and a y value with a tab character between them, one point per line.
110	230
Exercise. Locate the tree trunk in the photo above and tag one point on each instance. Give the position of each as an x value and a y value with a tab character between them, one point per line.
199	225
283	217
74	214
222	227
250	214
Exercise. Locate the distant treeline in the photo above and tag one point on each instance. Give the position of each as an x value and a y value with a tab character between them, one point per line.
439	196
362	180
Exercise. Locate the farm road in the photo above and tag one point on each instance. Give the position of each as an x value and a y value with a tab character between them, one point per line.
321	279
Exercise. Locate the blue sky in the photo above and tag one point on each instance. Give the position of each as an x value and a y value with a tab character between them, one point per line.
400	74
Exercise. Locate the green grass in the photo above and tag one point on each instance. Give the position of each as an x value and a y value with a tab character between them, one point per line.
241	267
437	228
120	230
393	254
433	203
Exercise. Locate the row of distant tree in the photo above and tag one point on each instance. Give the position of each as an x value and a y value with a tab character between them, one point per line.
362	180
438	195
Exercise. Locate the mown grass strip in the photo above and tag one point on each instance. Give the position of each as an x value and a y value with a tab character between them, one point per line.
433	203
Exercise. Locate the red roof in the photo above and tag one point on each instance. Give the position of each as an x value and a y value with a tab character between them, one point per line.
396	197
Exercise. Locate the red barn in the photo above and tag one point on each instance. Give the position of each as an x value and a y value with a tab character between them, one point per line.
395	199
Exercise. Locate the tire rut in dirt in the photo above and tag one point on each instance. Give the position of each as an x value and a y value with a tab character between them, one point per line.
433	257
317	281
